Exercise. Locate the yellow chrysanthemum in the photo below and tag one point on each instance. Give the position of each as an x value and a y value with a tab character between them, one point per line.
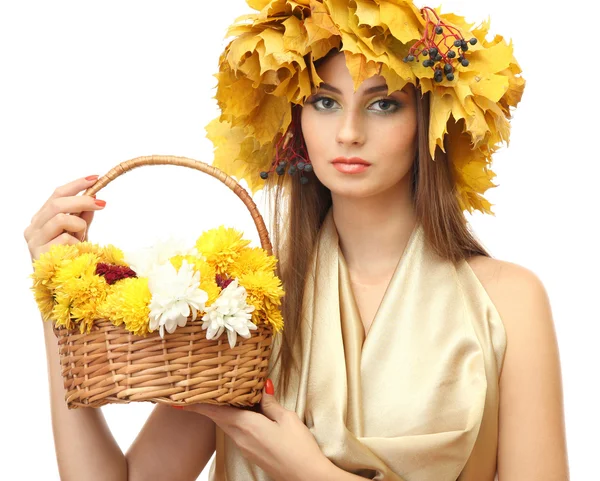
221	247
266	312
58	255
192	260
264	291
112	255
78	292
274	317
212	289
252	259
108	254
263	285
44	271
207	271
128	302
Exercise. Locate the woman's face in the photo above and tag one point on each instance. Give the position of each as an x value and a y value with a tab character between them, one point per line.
377	128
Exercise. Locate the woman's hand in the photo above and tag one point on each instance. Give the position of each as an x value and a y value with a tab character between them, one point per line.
276	440
54	224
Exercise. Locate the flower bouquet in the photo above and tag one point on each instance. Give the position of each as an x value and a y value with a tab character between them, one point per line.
169	323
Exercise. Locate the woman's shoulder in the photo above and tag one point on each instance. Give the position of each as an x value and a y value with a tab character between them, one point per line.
517	293
523	304
508	284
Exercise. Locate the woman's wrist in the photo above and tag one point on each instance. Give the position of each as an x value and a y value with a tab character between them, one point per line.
325	470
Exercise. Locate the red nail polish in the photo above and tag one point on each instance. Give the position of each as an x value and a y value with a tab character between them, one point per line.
100	203
91	177
269	389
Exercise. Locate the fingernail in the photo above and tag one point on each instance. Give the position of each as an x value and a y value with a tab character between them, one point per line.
91	177
269	389
100	203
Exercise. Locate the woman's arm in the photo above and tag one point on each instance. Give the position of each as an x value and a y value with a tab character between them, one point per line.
85	447
331	471
173	445
532	444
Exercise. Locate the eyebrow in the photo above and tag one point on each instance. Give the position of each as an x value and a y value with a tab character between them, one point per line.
378	88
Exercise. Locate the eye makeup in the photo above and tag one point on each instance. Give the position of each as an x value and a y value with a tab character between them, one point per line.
393	102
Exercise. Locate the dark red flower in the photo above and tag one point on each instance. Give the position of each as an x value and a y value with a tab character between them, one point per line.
223	281
113	273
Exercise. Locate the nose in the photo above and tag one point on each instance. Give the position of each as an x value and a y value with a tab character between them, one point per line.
351	129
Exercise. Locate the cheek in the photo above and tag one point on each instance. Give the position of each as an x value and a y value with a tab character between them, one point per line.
313	134
398	140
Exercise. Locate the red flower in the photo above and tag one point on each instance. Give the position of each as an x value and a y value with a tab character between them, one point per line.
222	281
113	273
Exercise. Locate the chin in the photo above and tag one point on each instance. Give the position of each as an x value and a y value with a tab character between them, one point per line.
356	188
361	187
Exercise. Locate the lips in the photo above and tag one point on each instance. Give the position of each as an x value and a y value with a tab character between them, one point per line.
352	165
351	160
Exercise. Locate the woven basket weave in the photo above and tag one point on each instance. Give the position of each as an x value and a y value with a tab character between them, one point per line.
112	365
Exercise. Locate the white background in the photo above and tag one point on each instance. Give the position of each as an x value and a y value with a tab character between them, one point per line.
87	85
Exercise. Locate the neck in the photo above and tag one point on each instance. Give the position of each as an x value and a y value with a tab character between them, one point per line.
373	232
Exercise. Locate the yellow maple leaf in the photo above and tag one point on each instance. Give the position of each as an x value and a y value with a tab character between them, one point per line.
367	13
403	20
440	109
360	69
295	37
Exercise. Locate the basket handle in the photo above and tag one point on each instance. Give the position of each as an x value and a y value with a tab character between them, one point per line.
193	164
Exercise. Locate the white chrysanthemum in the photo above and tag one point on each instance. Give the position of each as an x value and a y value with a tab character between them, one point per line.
229	312
174	294
143	261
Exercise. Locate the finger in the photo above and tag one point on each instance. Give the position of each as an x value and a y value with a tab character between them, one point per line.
74	187
56	226
66	205
67	190
88	217
212	411
64	238
269	405
226	417
271	409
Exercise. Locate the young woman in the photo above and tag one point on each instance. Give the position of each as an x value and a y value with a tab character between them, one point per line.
409	353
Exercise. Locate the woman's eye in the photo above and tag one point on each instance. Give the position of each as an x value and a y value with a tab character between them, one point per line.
385	105
324	99
389	102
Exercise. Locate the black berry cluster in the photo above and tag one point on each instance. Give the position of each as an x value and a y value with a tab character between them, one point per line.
441	62
439	57
282	166
292	148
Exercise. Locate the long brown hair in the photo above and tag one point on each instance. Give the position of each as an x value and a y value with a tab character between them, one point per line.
297	218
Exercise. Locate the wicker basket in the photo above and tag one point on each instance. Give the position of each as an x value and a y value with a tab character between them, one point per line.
112	365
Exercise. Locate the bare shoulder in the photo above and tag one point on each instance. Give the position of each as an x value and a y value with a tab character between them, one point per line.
502	278
521	301
532	440
518	294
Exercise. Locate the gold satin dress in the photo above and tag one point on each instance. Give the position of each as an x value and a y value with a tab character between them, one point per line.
417	399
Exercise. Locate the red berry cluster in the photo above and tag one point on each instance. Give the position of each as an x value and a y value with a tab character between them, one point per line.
441	57
113	273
